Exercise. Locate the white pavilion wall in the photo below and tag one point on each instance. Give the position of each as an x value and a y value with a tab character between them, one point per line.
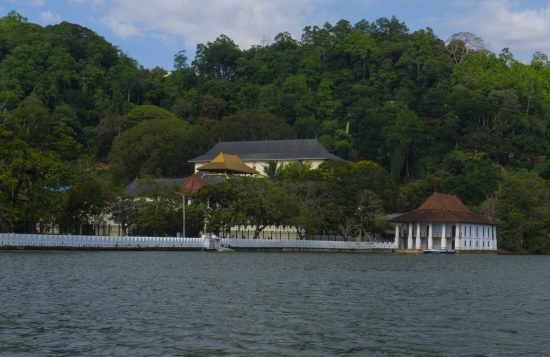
471	236
477	237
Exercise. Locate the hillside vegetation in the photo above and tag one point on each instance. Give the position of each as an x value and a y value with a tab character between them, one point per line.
411	112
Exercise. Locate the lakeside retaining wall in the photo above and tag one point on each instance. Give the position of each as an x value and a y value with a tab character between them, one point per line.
45	241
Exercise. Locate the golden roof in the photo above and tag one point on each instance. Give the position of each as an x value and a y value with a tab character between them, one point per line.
227	163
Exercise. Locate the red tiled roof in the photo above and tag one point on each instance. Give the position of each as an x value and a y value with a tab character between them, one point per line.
444	202
192	184
440	207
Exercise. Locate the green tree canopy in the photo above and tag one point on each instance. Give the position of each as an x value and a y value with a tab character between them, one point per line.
523	208
158	148
142	113
252	125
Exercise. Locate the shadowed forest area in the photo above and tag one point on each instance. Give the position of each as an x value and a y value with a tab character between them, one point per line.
410	112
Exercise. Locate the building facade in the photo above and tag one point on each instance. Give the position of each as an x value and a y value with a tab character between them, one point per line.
258	154
444	222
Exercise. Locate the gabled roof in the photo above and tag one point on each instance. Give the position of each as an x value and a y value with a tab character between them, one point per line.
440	207
227	163
270	150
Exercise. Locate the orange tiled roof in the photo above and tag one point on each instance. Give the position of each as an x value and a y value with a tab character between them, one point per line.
440	207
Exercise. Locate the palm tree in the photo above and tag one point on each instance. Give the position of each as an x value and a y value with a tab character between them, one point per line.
272	170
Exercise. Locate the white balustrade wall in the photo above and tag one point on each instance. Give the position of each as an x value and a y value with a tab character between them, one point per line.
104	242
78	241
304	244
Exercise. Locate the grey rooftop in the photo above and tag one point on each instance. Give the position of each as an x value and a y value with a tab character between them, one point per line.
148	185
142	186
270	150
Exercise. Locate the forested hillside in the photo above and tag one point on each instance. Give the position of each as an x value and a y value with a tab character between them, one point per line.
80	119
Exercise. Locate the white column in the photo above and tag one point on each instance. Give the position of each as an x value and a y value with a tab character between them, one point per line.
472	243
485	237
475	234
443	237
417	235
494	245
410	237
457	236
430	236
397	235
469	233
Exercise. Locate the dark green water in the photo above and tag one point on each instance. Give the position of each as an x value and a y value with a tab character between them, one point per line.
256	304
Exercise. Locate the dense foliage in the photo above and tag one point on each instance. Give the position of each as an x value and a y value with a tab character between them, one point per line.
449	116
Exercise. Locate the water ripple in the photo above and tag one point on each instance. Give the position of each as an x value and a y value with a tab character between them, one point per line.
250	304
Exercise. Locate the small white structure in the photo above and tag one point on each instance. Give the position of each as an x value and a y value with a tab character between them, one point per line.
444	222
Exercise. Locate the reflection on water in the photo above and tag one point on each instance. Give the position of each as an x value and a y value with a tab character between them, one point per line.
195	304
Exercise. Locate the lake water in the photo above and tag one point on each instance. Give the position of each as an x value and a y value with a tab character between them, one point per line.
275	304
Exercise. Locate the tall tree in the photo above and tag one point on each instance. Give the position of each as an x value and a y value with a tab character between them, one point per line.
159	148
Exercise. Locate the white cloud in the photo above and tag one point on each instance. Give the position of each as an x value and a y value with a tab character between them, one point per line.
122	29
244	21
501	25
49	17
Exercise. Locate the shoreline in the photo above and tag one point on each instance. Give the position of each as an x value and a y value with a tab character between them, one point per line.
237	250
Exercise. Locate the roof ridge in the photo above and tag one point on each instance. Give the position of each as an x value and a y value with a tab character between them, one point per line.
284	149
263	141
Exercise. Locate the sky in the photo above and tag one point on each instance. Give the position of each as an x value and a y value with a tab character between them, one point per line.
152	31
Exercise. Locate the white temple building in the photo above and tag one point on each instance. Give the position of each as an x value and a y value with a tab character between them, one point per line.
444	222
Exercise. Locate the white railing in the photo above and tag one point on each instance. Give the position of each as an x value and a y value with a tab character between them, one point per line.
91	242
78	241
304	244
